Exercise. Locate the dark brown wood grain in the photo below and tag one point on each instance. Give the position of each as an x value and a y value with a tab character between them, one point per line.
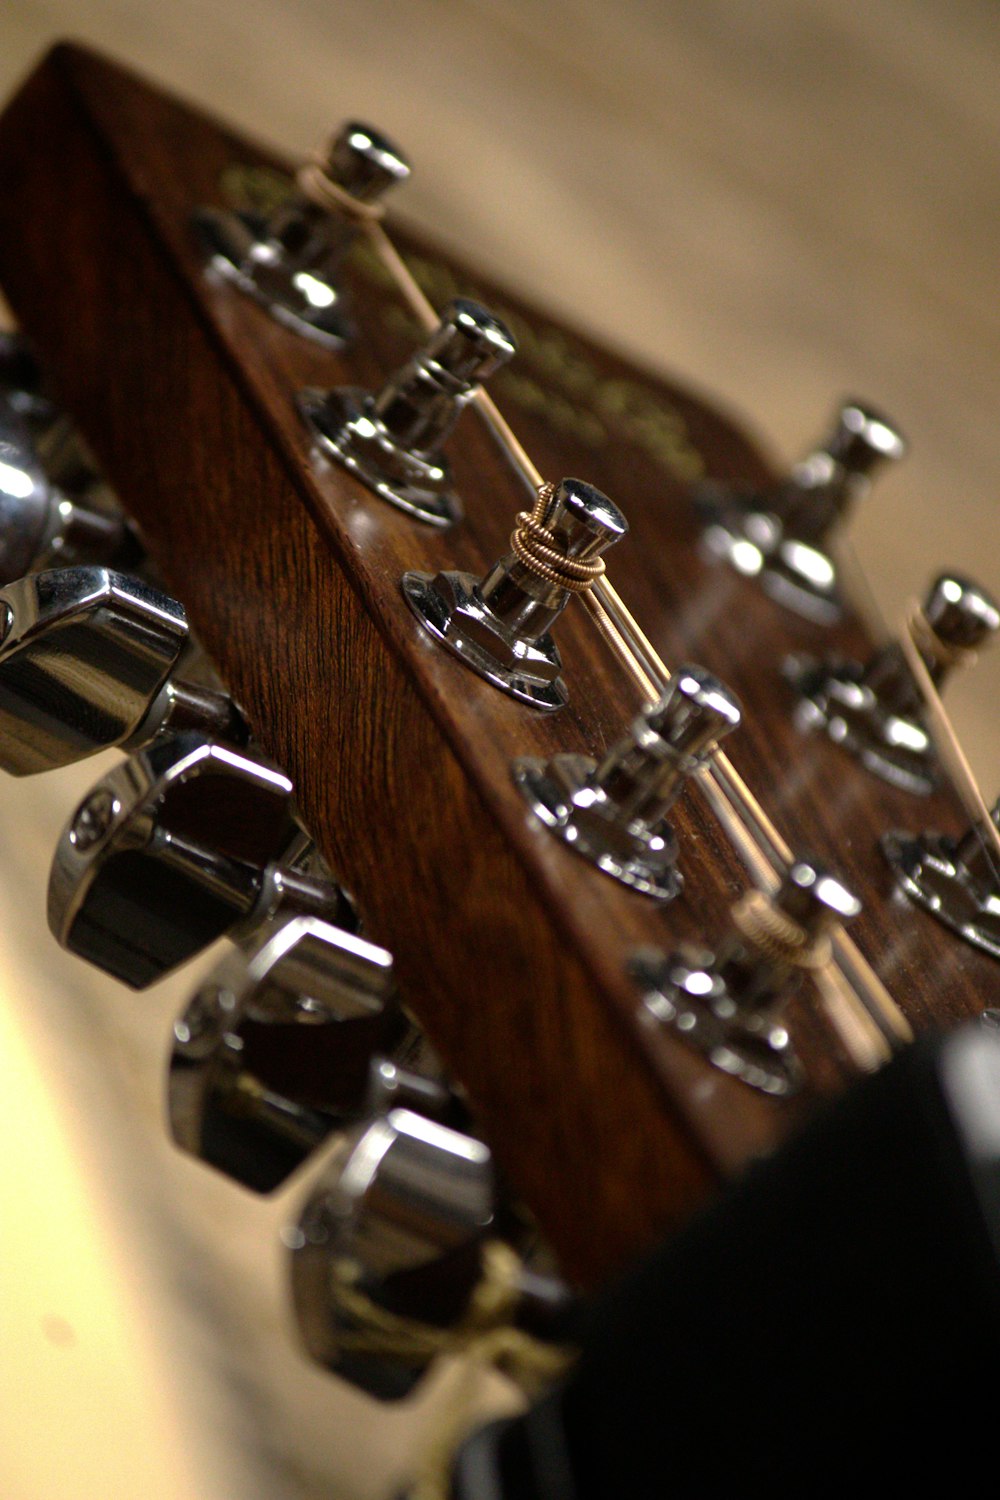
511	951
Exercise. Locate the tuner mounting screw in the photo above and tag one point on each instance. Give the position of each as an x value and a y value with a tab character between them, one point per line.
93	818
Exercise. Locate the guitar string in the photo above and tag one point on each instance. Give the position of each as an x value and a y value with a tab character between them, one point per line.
869	1022
947	741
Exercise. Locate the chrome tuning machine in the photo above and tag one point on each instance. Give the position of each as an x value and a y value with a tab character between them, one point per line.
392	441
500	625
779	535
399	1232
729	1004
87	661
955	880
53	508
876	710
613	813
179	845
284	1042
290	261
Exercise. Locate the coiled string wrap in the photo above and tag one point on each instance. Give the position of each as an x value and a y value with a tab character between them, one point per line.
316	184
944	654
776	936
536	547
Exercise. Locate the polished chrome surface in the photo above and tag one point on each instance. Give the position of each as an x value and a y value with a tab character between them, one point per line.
53	507
289	262
780	535
614	814
500	625
276	1048
875	710
401	1217
87	660
728	1003
168	852
956	880
393	441
85	653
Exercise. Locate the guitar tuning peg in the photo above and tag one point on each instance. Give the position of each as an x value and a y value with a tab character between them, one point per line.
392	441
613	813
729	1004
397	1233
500	625
41	520
956	880
87	661
290	261
780	534
876	710
279	1046
177	846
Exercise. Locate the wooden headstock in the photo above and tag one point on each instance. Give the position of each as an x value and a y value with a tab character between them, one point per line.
512	953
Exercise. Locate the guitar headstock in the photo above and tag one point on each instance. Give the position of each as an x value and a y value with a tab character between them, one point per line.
518	956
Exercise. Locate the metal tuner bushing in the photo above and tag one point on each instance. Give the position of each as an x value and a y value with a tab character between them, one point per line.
393	441
613	812
500	625
290	262
875	709
729	1003
955	880
87	661
780	535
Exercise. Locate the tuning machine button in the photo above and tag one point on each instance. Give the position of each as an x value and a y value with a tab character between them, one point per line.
956	880
876	710
176	847
52	507
780	534
391	1248
290	261
500	625
284	1042
87	661
613	813
729	1004
393	441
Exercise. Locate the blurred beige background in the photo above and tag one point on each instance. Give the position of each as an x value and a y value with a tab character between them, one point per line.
784	202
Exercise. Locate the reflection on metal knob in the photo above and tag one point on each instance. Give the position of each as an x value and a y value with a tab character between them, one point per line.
956	880
275	1051
500	625
290	261
613	813
780	534
173	849
392	441
43	521
86	662
401	1219
876	710
728	1004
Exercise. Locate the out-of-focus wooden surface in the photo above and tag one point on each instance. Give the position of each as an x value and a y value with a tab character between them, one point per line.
783	203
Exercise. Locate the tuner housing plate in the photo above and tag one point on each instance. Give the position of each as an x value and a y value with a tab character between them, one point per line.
347	429
683	995
451	608
930	874
561	794
236	246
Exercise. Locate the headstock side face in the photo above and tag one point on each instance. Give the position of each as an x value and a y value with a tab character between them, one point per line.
511	952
